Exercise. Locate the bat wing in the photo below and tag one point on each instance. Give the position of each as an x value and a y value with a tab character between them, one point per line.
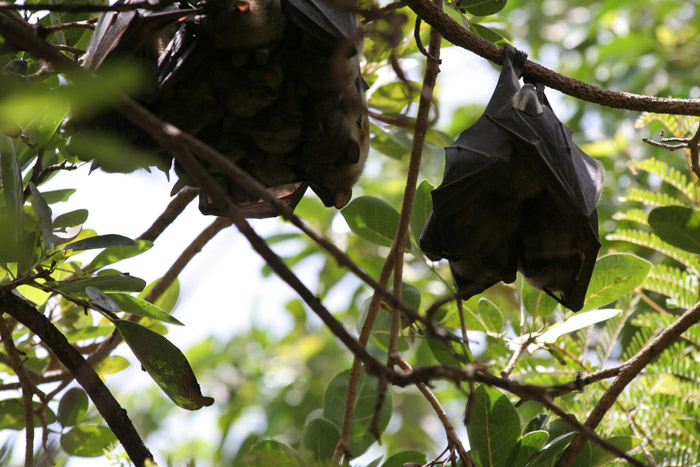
475	209
573	178
129	31
324	22
558	253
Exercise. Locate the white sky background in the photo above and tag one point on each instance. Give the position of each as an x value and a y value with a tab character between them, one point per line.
222	290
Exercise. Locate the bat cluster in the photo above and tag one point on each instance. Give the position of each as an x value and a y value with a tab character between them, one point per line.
274	85
517	194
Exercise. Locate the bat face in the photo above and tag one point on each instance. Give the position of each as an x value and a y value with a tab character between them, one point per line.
259	80
517	194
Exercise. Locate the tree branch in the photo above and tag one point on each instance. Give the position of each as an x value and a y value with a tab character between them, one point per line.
461	37
103	399
627	372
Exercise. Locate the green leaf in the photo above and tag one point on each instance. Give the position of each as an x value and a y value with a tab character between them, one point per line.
73	407
43	215
87	440
493	427
677	225
401	458
446	354
320	436
112	364
366	399
489	34
482	7
536	302
549	455
115	254
668	174
104	282
165	363
372	219
12	188
167	299
88	332
575	322
139	307
490	315
271	453
12	414
71	219
601	456
615	275
422	207
529	445
56	196
111	153
99	298
100	241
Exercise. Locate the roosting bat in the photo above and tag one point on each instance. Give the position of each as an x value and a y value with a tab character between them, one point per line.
274	85
517	194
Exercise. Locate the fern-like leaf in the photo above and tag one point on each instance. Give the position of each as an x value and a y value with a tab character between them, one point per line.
670	175
671	122
653	242
678	285
650	198
632	215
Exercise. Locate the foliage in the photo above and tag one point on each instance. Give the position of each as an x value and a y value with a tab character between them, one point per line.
294	382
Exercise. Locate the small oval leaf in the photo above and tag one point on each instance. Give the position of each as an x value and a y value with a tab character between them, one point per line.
334	408
104	282
372	219
43	214
73	407
482	7
71	219
87	440
614	276
139	307
165	363
490	315
320	437
99	298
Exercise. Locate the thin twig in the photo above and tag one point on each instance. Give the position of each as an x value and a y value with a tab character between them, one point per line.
109	344
439	411
87	24
27	391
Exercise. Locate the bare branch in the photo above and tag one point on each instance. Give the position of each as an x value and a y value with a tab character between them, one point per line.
627	372
103	399
458	35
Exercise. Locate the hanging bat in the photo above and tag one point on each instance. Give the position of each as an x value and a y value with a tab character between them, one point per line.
274	85
517	194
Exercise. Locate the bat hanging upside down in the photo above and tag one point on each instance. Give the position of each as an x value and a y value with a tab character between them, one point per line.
517	194
274	85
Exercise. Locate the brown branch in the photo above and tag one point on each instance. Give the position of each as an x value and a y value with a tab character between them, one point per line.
628	371
109	344
88	24
452	437
27	390
461	37
103	399
174	209
84	8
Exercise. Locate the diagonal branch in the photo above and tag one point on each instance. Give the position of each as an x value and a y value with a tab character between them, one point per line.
103	399
458	35
628	371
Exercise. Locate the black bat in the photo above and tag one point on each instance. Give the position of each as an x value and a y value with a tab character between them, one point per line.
517	194
272	84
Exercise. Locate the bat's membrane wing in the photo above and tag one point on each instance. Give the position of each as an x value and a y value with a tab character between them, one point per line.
325	23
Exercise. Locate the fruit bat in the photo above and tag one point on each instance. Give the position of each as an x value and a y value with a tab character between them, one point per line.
517	194
274	85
